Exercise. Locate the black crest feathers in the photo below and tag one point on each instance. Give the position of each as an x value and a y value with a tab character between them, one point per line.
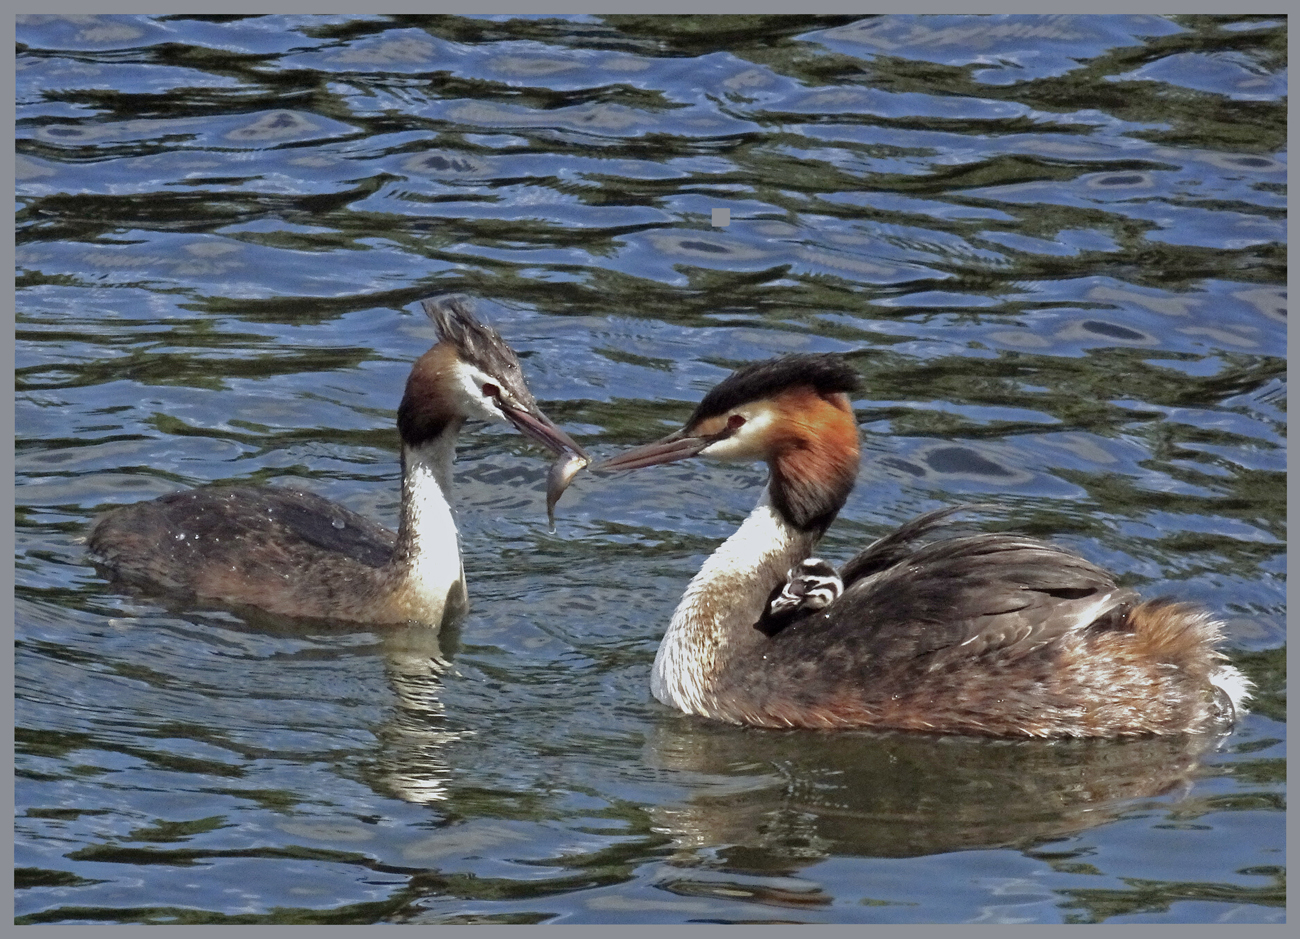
475	342
827	373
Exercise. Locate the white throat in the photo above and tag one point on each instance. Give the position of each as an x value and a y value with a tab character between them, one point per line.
436	576
721	605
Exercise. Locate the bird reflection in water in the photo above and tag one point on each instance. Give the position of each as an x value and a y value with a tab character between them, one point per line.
896	794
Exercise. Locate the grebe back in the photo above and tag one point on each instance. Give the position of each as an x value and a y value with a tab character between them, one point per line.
296	554
996	634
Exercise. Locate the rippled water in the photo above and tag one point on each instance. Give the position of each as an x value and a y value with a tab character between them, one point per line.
1054	247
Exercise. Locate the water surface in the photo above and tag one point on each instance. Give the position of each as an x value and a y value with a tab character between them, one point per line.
1053	246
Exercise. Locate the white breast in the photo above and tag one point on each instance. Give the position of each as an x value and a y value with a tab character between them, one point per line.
435	568
727	594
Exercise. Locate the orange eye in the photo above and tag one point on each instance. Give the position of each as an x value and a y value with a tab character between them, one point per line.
735	421
490	390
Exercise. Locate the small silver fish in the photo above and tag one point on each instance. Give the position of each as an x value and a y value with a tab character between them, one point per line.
566	466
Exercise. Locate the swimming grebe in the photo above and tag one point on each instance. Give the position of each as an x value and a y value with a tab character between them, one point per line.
296	554
995	634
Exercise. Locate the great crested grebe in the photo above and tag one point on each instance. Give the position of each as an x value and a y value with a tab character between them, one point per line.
295	554
996	634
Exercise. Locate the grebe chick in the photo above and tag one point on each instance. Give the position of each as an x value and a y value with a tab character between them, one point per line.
996	634
812	584
295	554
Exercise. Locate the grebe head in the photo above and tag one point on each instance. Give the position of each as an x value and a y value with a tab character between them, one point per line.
470	374
791	412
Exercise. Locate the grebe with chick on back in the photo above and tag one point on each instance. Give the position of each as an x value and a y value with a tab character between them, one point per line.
295	554
996	634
